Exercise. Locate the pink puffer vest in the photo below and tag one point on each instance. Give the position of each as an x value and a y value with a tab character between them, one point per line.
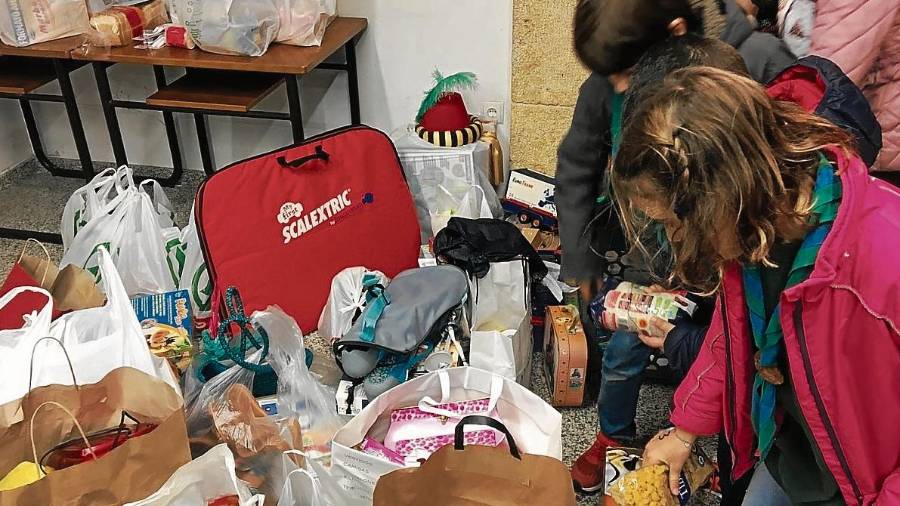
863	38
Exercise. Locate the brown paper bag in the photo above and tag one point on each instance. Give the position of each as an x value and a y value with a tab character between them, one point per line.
72	287
479	475
42	269
130	472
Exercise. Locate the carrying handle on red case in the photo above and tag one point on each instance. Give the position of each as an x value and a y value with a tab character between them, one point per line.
320	154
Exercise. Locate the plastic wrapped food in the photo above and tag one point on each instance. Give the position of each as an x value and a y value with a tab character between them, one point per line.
630	484
240	27
303	22
120	25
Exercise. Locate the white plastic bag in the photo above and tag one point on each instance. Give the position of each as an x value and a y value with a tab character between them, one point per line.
299	394
552	282
16	347
130	226
85	203
501	325
472	204
209	477
99	340
534	424
303	22
194	276
27	22
239	27
301	486
347	296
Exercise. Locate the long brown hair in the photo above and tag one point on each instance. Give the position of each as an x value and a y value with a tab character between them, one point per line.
728	161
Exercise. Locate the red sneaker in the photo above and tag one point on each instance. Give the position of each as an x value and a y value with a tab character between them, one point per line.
589	470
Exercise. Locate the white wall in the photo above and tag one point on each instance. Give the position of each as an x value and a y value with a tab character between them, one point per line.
405	42
14	146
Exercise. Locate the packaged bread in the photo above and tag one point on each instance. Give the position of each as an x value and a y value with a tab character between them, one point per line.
629	483
118	26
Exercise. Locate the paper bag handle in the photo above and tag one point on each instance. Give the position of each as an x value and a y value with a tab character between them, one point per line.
428	405
46	253
68	360
459	440
87	444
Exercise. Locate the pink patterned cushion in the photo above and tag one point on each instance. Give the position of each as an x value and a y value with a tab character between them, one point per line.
473	407
432	444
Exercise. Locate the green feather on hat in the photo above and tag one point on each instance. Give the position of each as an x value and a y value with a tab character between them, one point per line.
444	85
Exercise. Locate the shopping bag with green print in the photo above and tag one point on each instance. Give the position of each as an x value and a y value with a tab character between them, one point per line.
193	277
84	204
129	227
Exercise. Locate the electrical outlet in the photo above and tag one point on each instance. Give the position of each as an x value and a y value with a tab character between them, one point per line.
493	110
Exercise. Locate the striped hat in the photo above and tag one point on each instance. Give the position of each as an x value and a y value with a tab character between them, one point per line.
443	119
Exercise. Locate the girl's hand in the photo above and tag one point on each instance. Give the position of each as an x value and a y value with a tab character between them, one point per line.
671	447
655	335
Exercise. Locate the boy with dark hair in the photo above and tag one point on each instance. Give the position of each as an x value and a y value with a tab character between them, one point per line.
627	354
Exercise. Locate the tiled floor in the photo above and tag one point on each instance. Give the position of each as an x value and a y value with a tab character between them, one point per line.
31	198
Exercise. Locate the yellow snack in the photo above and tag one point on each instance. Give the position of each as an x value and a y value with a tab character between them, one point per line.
25	473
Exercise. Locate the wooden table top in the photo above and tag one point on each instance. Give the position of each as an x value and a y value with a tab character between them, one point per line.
60	48
280	58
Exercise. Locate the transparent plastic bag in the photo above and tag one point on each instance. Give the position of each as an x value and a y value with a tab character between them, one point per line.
223	410
300	395
303	22
239	27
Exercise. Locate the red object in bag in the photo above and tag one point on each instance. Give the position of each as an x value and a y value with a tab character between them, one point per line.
281	225
12	314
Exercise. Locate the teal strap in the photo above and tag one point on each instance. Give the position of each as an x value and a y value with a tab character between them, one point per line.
250	336
374	309
615	132
615	128
769	335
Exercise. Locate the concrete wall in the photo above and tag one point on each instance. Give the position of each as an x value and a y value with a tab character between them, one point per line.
406	41
14	146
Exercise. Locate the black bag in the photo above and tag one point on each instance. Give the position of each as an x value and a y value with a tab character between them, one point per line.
473	245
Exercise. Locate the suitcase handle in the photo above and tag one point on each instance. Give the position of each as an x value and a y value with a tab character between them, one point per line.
459	438
320	154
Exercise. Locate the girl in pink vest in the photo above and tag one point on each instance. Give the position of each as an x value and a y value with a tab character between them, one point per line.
769	207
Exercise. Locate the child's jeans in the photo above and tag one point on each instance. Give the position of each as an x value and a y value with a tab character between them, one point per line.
624	362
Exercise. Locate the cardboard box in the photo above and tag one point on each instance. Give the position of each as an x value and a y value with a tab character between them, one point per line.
541	240
166	321
565	356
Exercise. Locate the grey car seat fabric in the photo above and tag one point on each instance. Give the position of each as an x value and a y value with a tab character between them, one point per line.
419	299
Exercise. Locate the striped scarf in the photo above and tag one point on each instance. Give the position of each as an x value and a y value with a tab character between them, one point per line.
768	336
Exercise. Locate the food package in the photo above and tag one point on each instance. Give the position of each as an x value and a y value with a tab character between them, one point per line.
630	484
166	322
630	307
119	25
27	22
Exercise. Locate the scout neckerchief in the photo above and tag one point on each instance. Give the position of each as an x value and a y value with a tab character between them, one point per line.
769	336
615	134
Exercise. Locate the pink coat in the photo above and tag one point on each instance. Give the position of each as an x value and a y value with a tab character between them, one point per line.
863	38
843	347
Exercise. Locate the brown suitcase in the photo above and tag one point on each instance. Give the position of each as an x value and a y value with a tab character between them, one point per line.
565	356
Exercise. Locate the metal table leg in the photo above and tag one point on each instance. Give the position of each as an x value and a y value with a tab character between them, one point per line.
68	94
293	95
171	133
37	145
109	112
352	81
206	150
